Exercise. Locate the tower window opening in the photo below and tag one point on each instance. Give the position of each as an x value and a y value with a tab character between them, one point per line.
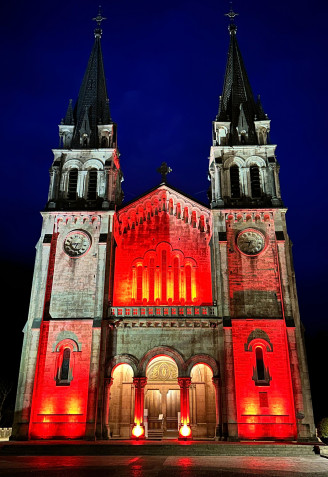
92	185
72	184
255	181
260	364
63	373
234	182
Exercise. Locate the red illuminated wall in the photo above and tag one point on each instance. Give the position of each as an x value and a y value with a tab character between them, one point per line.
59	408
263	410
254	283
162	255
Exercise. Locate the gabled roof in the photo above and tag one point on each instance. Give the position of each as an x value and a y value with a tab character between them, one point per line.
237	97
169	188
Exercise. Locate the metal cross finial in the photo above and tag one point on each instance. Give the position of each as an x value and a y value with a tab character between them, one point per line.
99	18
232	27
164	170
231	14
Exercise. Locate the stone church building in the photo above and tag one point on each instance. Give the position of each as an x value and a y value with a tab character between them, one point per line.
164	317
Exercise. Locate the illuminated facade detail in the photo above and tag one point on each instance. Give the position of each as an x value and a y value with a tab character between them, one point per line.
163	317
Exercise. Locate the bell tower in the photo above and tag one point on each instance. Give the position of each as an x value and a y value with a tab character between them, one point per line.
243	166
57	386
254	281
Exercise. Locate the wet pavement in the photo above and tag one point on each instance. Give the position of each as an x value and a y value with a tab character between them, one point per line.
163	466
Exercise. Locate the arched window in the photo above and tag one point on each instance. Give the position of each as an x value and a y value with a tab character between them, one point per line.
188	283
261	374
104	141
72	184
255	181
176	280
234	182
164	276
64	373
92	184
151	280
139	283
259	364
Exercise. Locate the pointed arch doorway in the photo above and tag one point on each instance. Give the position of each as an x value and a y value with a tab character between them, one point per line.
162	398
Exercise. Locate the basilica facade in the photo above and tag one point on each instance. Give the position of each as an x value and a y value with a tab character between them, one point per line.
164	317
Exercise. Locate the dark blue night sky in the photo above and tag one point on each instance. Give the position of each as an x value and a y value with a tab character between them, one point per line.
164	63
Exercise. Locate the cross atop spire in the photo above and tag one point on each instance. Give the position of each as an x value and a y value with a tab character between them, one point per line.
99	18
232	27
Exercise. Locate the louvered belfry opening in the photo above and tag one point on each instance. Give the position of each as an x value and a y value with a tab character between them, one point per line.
92	185
234	182
72	184
255	181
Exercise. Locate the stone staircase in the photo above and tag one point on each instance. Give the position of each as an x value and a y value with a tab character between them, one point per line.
155	434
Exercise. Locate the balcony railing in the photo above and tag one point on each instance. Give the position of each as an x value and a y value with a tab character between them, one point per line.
163	311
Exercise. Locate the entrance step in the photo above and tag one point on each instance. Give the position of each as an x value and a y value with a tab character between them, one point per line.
155	434
174	448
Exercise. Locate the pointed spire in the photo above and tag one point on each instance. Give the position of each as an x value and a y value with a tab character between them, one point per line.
237	103
93	93
69	118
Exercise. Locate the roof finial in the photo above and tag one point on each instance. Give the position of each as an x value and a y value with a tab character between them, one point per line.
99	18
232	27
164	170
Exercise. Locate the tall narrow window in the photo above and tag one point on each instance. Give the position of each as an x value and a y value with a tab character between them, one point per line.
164	276
260	364
63	373
188	283
234	182
176	280
255	181
65	364
92	184
151	280
72	184
139	283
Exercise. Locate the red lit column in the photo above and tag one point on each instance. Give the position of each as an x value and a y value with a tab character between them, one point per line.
216	383
230	395
302	430
184	430
107	385
138	430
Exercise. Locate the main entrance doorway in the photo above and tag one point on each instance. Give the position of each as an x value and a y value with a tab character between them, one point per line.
162	399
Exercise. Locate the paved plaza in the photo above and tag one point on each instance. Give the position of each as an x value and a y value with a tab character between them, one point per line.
163	466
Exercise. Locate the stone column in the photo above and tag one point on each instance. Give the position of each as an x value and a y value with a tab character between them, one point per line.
218	198
273	178
138	430
184	431
105	204
218	430
106	429
303	432
231	430
164	407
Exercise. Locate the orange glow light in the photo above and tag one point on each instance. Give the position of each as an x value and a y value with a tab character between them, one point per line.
185	431
138	431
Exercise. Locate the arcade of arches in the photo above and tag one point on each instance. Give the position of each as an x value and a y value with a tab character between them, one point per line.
167	401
